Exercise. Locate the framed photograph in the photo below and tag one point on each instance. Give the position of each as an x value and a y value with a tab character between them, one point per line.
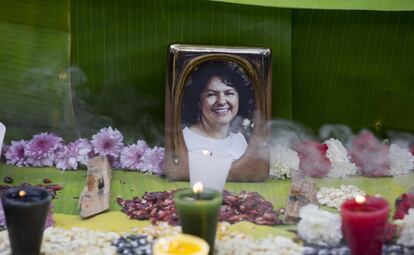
218	98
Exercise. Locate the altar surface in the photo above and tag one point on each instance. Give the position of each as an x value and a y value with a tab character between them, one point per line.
130	184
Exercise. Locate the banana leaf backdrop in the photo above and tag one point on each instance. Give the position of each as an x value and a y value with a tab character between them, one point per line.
73	67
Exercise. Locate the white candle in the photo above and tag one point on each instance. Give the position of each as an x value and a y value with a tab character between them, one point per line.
2	133
209	168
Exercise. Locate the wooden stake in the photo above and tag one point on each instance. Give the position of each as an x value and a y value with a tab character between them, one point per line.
302	192
95	197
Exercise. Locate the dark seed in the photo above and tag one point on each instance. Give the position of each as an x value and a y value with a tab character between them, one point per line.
47	180
8	180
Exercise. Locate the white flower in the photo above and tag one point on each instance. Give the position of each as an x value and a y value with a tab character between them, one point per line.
319	226
342	170
341	166
407	234
402	161
283	161
246	123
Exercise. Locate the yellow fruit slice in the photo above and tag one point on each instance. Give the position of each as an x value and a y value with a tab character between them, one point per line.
180	245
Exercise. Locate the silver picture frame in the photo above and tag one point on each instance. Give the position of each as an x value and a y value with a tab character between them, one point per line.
183	60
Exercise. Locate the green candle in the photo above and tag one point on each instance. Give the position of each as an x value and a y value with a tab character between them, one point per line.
198	212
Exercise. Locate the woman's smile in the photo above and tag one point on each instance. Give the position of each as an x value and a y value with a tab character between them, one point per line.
221	111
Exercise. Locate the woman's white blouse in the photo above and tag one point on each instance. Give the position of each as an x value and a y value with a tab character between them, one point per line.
234	143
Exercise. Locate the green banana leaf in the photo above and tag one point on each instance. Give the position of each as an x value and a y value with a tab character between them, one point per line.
353	67
34	57
121	48
130	184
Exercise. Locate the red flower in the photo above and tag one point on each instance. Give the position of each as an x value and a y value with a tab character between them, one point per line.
412	149
402	205
313	160
370	155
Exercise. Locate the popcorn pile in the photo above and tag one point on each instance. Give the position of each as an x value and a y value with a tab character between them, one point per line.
237	243
71	242
334	197
161	229
248	246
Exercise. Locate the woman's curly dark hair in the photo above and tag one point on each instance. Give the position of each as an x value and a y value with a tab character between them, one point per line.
231	74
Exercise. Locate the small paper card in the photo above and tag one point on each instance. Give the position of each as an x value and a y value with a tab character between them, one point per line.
2	133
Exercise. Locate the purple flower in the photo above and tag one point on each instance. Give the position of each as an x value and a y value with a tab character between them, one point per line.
2	216
108	142
114	162
15	154
83	149
49	218
41	150
153	160
131	156
72	154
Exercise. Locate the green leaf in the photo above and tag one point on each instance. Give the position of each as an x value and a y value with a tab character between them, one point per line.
121	48
353	68
35	92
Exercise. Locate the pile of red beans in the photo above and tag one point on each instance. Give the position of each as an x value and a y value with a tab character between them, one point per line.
160	206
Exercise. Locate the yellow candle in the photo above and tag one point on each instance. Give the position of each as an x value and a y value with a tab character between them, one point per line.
180	245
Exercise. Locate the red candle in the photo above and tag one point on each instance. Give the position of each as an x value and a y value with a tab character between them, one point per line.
363	222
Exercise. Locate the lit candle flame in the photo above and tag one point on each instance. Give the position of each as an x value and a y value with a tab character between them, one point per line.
198	188
22	193
360	199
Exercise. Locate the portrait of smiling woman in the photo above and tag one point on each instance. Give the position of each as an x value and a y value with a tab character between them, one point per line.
218	99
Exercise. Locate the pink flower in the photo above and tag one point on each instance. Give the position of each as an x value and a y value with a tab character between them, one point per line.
41	150
72	154
412	149
313	160
15	153
370	155
108	142
153	160
131	156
